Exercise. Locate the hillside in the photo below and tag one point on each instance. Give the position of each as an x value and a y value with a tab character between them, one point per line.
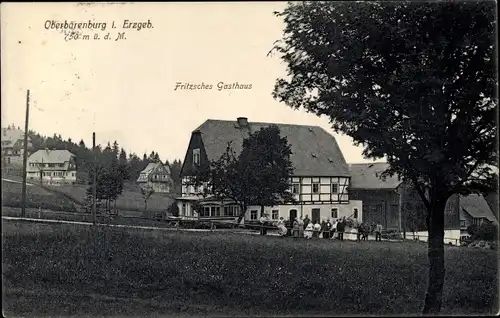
70	197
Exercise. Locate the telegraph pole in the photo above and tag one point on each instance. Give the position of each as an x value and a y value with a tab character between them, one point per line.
94	182
25	154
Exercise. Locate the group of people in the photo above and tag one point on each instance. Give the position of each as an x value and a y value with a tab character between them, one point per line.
327	229
312	229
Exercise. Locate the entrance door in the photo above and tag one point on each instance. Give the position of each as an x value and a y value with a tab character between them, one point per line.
293	215
315	215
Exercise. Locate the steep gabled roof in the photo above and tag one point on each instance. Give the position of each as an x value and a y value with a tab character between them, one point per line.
12	135
314	151
152	166
50	156
476	206
367	176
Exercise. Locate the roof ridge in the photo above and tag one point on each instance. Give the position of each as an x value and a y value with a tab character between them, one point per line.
264	123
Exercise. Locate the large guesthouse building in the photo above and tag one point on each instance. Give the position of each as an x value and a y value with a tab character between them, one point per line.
320	182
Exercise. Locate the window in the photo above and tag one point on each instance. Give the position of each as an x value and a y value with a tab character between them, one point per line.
295	188
184	209
355	213
462	223
253	215
315	187
205	211
8	160
275	214
196	156
335	188
335	213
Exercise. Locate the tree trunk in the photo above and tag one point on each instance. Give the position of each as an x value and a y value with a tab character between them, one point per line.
433	298
242	213
262	229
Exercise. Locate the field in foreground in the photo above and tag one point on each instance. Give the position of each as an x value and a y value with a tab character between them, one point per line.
70	270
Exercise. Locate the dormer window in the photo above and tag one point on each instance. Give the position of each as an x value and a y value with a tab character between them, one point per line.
196	156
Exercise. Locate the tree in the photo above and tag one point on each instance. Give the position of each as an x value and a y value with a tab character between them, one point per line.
135	164
266	168
260	175
109	183
122	158
412	82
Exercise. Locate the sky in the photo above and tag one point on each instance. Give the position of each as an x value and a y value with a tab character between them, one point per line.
124	89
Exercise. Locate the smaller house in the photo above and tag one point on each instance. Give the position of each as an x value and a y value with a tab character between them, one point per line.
474	210
157	176
13	146
53	167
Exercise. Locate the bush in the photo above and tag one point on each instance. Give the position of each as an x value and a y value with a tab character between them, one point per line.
392	235
486	232
173	209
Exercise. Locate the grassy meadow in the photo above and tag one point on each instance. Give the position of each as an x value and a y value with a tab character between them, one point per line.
69	197
61	270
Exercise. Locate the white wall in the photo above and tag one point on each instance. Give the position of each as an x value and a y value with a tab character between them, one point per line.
51	177
450	236
325	210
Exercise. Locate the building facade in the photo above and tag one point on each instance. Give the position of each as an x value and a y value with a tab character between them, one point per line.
319	184
156	176
13	146
53	167
396	204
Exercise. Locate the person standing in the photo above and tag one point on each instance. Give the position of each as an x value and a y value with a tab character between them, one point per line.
378	232
316	229
296	227
301	227
306	221
281	227
308	233
334	228
340	229
263	224
327	229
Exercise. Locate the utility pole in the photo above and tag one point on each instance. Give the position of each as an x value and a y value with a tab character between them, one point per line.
25	154
94	182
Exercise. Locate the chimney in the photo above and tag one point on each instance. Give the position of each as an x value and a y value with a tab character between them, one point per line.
242	121
197	132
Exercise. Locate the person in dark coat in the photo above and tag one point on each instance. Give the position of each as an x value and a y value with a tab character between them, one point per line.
340	229
306	221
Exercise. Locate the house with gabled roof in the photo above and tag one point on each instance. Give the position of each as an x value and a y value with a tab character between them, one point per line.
13	146
156	175
320	181
475	210
52	167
